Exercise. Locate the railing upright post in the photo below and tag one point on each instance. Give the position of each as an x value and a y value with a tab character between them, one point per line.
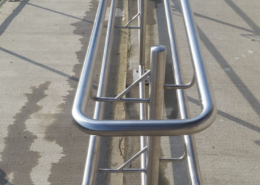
142	10
156	93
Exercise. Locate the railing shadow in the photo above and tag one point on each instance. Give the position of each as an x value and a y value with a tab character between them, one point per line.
11	17
60	13
39	64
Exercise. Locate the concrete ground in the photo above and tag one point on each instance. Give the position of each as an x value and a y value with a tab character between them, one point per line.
42	47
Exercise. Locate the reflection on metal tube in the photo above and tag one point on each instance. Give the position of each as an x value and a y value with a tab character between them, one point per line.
94	142
155	126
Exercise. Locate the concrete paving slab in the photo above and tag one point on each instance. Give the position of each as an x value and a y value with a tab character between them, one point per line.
42	48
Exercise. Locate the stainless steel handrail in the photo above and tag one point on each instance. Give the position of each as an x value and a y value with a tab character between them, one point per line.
144	127
155	126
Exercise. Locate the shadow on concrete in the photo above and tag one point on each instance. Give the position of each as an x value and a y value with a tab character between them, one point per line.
255	32
252	100
39	64
11	17
244	16
64	14
241	86
256	29
222	22
230	117
3	178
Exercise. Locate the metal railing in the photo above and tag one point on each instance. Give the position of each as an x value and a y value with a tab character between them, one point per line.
150	130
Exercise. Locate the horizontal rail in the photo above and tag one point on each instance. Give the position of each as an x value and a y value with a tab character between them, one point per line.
184	86
144	127
128	170
128	27
178	159
111	99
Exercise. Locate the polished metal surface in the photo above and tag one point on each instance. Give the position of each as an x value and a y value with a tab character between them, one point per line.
184	86
94	141
112	99
179	159
150	130
142	77
192	159
129	170
156	94
142	9
128	27
138	14
146	127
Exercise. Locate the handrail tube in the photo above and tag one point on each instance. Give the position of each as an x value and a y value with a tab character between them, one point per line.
113	99
142	117
144	127
192	160
94	141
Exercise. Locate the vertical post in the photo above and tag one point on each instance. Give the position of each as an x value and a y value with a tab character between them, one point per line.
91	161
156	92
142	9
142	117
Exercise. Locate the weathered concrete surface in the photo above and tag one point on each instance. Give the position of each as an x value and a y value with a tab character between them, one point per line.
42	47
229	151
